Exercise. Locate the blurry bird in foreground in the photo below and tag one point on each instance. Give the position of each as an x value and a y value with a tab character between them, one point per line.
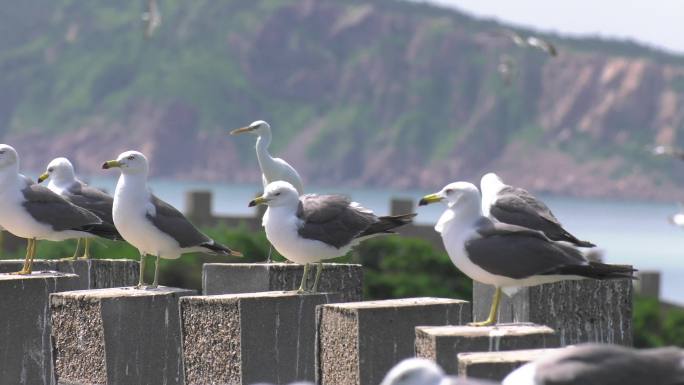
669	151
151	18
532	41
677	219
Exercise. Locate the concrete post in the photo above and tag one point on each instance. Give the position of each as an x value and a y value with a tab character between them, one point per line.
579	311
250	338
648	284
234	278
496	365
198	206
359	342
442	344
25	353
92	273
117	336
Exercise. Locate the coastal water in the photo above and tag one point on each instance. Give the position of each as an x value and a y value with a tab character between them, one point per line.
629	232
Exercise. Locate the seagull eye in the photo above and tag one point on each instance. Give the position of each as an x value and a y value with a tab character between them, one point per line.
131	157
51	169
448	191
277	194
2	152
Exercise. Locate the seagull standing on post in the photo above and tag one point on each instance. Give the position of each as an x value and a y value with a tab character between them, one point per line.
34	212
313	228
149	224
504	255
63	182
272	169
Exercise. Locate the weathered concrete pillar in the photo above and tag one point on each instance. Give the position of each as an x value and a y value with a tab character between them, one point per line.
234	278
92	273
359	342
198	206
648	284
579	311
249	338
117	336
442	344
25	352
496	365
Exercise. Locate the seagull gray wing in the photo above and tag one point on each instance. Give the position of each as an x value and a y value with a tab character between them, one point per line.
517	206
173	223
332	219
91	198
597	364
49	208
518	252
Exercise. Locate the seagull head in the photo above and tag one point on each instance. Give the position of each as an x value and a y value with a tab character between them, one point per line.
130	162
491	182
59	169
8	157
453	193
257	128
278	193
414	371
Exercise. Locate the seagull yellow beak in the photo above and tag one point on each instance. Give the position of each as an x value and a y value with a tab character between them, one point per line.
432	198
111	163
241	130
258	201
43	176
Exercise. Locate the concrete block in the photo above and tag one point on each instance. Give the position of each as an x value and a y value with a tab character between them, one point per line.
235	278
25	353
359	342
442	344
117	336
92	273
497	365
250	338
579	311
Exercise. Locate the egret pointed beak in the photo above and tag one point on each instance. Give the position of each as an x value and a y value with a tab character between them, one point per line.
258	201
432	198
242	130
43	176
111	163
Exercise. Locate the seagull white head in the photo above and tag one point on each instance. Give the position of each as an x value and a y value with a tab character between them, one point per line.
8	157
130	162
453	193
491	180
278	193
60	170
414	371
257	127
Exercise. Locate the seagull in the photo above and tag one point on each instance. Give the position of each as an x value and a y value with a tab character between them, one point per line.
421	371
669	151
34	212
517	206
541	44
677	219
272	169
63	182
507	69
151	18
516	37
602	364
504	255
312	228
150	224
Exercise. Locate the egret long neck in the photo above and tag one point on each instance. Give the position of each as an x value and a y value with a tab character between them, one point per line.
262	143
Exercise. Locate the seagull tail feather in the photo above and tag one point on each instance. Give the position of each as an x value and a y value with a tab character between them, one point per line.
597	270
103	230
217	248
388	224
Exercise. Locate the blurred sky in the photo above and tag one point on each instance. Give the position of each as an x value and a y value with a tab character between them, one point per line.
658	23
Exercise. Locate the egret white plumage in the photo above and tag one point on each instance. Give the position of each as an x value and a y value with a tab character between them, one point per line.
313	228
516	206
34	212
603	364
149	224
503	255
63	181
272	169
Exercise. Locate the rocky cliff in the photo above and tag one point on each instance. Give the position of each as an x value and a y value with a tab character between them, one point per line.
380	93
